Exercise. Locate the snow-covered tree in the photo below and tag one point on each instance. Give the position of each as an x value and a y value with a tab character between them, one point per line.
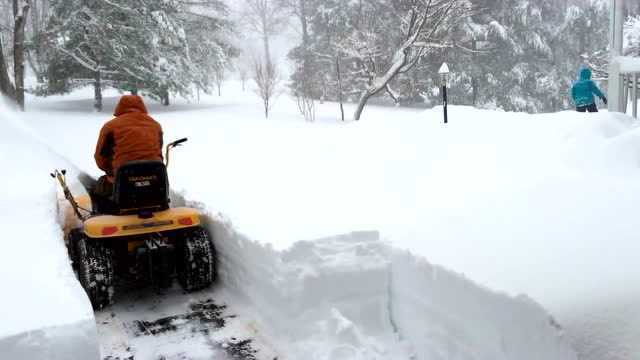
16	89
304	59
243	72
6	86
265	19
632	36
208	33
95	37
158	47
360	48
423	25
517	55
265	74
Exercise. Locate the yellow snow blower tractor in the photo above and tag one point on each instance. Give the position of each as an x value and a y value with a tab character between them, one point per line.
136	235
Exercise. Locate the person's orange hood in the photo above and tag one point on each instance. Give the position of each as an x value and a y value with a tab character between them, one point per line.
130	103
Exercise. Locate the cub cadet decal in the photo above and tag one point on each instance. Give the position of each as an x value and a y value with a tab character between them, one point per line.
142	181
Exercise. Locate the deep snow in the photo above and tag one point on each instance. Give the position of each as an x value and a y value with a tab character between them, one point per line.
42	305
542	205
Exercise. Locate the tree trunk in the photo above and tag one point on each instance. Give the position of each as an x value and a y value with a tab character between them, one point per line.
474	91
474	79
304	24
363	101
339	87
97	91
18	49
35	23
305	47
266	108
392	95
34	58
265	40
380	85
165	98
6	86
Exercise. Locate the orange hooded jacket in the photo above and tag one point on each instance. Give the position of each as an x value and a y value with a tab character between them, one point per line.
131	135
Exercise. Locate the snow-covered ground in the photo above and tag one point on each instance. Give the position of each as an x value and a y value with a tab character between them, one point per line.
543	205
42	305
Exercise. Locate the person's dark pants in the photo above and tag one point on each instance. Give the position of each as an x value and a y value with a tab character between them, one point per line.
101	194
590	108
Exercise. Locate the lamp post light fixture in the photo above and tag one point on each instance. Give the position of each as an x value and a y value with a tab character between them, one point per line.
444	78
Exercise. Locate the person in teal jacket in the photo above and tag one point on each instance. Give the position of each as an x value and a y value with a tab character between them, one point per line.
583	90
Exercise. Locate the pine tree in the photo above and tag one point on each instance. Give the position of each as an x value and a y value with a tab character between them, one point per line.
156	47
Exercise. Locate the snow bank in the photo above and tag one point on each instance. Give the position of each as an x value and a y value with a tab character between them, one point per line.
605	330
446	316
355	297
67	342
44	311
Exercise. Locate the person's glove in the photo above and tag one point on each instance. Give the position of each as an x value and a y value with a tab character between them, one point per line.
604	100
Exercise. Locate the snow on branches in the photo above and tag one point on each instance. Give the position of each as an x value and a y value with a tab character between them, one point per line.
158	47
422	26
632	36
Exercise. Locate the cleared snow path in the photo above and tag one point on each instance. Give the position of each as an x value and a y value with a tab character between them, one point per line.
147	323
143	324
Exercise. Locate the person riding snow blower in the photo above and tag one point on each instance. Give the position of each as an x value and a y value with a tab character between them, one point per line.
132	135
126	225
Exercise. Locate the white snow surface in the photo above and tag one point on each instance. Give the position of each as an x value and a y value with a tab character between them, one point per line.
42	304
355	297
536	204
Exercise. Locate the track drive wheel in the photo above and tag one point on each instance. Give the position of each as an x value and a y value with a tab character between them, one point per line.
197	259
95	271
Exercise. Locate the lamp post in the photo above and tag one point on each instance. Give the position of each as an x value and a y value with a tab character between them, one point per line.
444	79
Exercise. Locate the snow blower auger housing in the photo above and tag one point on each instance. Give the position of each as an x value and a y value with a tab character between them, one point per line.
135	234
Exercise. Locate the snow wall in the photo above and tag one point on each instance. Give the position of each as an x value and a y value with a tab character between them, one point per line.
355	297
44	313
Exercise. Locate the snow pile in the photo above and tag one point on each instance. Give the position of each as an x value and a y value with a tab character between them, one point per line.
605	330
445	316
42	306
355	297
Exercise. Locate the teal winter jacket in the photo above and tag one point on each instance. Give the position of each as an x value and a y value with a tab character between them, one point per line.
583	90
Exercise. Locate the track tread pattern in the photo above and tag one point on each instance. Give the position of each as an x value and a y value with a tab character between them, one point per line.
95	271
198	261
